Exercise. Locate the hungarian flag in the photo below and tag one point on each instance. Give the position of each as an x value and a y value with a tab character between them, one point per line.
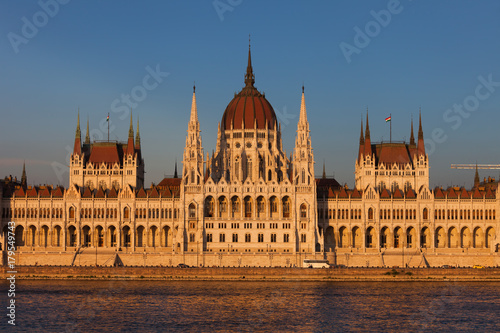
107	119
386	119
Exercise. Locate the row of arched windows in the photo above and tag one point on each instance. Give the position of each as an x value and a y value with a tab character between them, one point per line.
219	207
340	214
464	214
44	213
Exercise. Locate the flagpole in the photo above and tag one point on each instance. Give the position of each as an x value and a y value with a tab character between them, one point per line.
390	128
108	126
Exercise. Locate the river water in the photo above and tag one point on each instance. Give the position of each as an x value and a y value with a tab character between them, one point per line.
199	306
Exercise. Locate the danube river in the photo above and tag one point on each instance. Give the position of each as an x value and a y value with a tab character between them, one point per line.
198	306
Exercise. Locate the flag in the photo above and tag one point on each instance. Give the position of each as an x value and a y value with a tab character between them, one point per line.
386	119
107	119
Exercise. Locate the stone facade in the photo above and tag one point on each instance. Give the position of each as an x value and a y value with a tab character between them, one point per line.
249	204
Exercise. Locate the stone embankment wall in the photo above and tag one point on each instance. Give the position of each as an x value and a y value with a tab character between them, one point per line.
254	273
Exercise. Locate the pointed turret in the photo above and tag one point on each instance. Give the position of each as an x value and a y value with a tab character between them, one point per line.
303	111
77	149
137	137
194	111
368	143
420	145
24	179
130	142
324	170
249	77
412	137
175	169
477	181
303	152
87	136
361	144
193	151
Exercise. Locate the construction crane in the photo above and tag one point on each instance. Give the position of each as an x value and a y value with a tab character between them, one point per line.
476	166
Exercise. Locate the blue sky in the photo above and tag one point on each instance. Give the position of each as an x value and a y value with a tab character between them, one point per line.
87	54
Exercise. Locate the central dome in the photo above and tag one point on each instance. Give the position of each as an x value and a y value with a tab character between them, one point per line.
249	109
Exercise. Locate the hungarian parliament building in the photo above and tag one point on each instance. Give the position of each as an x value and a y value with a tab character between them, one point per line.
249	204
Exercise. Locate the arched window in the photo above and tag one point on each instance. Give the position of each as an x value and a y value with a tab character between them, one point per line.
370	213
192	211
126	213
425	214
303	211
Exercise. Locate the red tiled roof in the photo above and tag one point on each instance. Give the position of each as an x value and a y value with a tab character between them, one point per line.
410	193
398	194
331	194
20	192
166	193
87	193
343	194
477	194
32	193
113	193
104	152
490	194
141	193
385	194
45	193
58	192
245	109
452	194
438	193
464	193
100	193
154	193
356	193
170	182
390	153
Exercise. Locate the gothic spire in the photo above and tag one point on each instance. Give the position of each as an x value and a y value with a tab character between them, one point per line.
24	179
175	169
368	144
194	109
412	137
303	111
77	148
78	133
131	129
361	143
324	170
249	77
420	146
87	136
361	138
476	178
137	136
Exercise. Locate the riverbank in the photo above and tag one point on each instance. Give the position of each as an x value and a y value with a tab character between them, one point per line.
254	273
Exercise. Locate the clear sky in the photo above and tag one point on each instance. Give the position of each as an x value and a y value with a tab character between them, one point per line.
392	57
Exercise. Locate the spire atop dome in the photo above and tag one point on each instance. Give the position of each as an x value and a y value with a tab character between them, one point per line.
249	77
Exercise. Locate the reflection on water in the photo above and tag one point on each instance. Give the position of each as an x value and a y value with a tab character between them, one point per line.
153	306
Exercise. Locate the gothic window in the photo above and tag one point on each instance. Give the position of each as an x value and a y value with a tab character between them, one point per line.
286	207
191	238
303	176
303	211
370	213
425	214
209	238
235	238
192	211
286	238
192	175
222	238
273	238
260	238
248	238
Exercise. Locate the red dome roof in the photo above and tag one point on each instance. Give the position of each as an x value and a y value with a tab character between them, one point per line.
249	107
